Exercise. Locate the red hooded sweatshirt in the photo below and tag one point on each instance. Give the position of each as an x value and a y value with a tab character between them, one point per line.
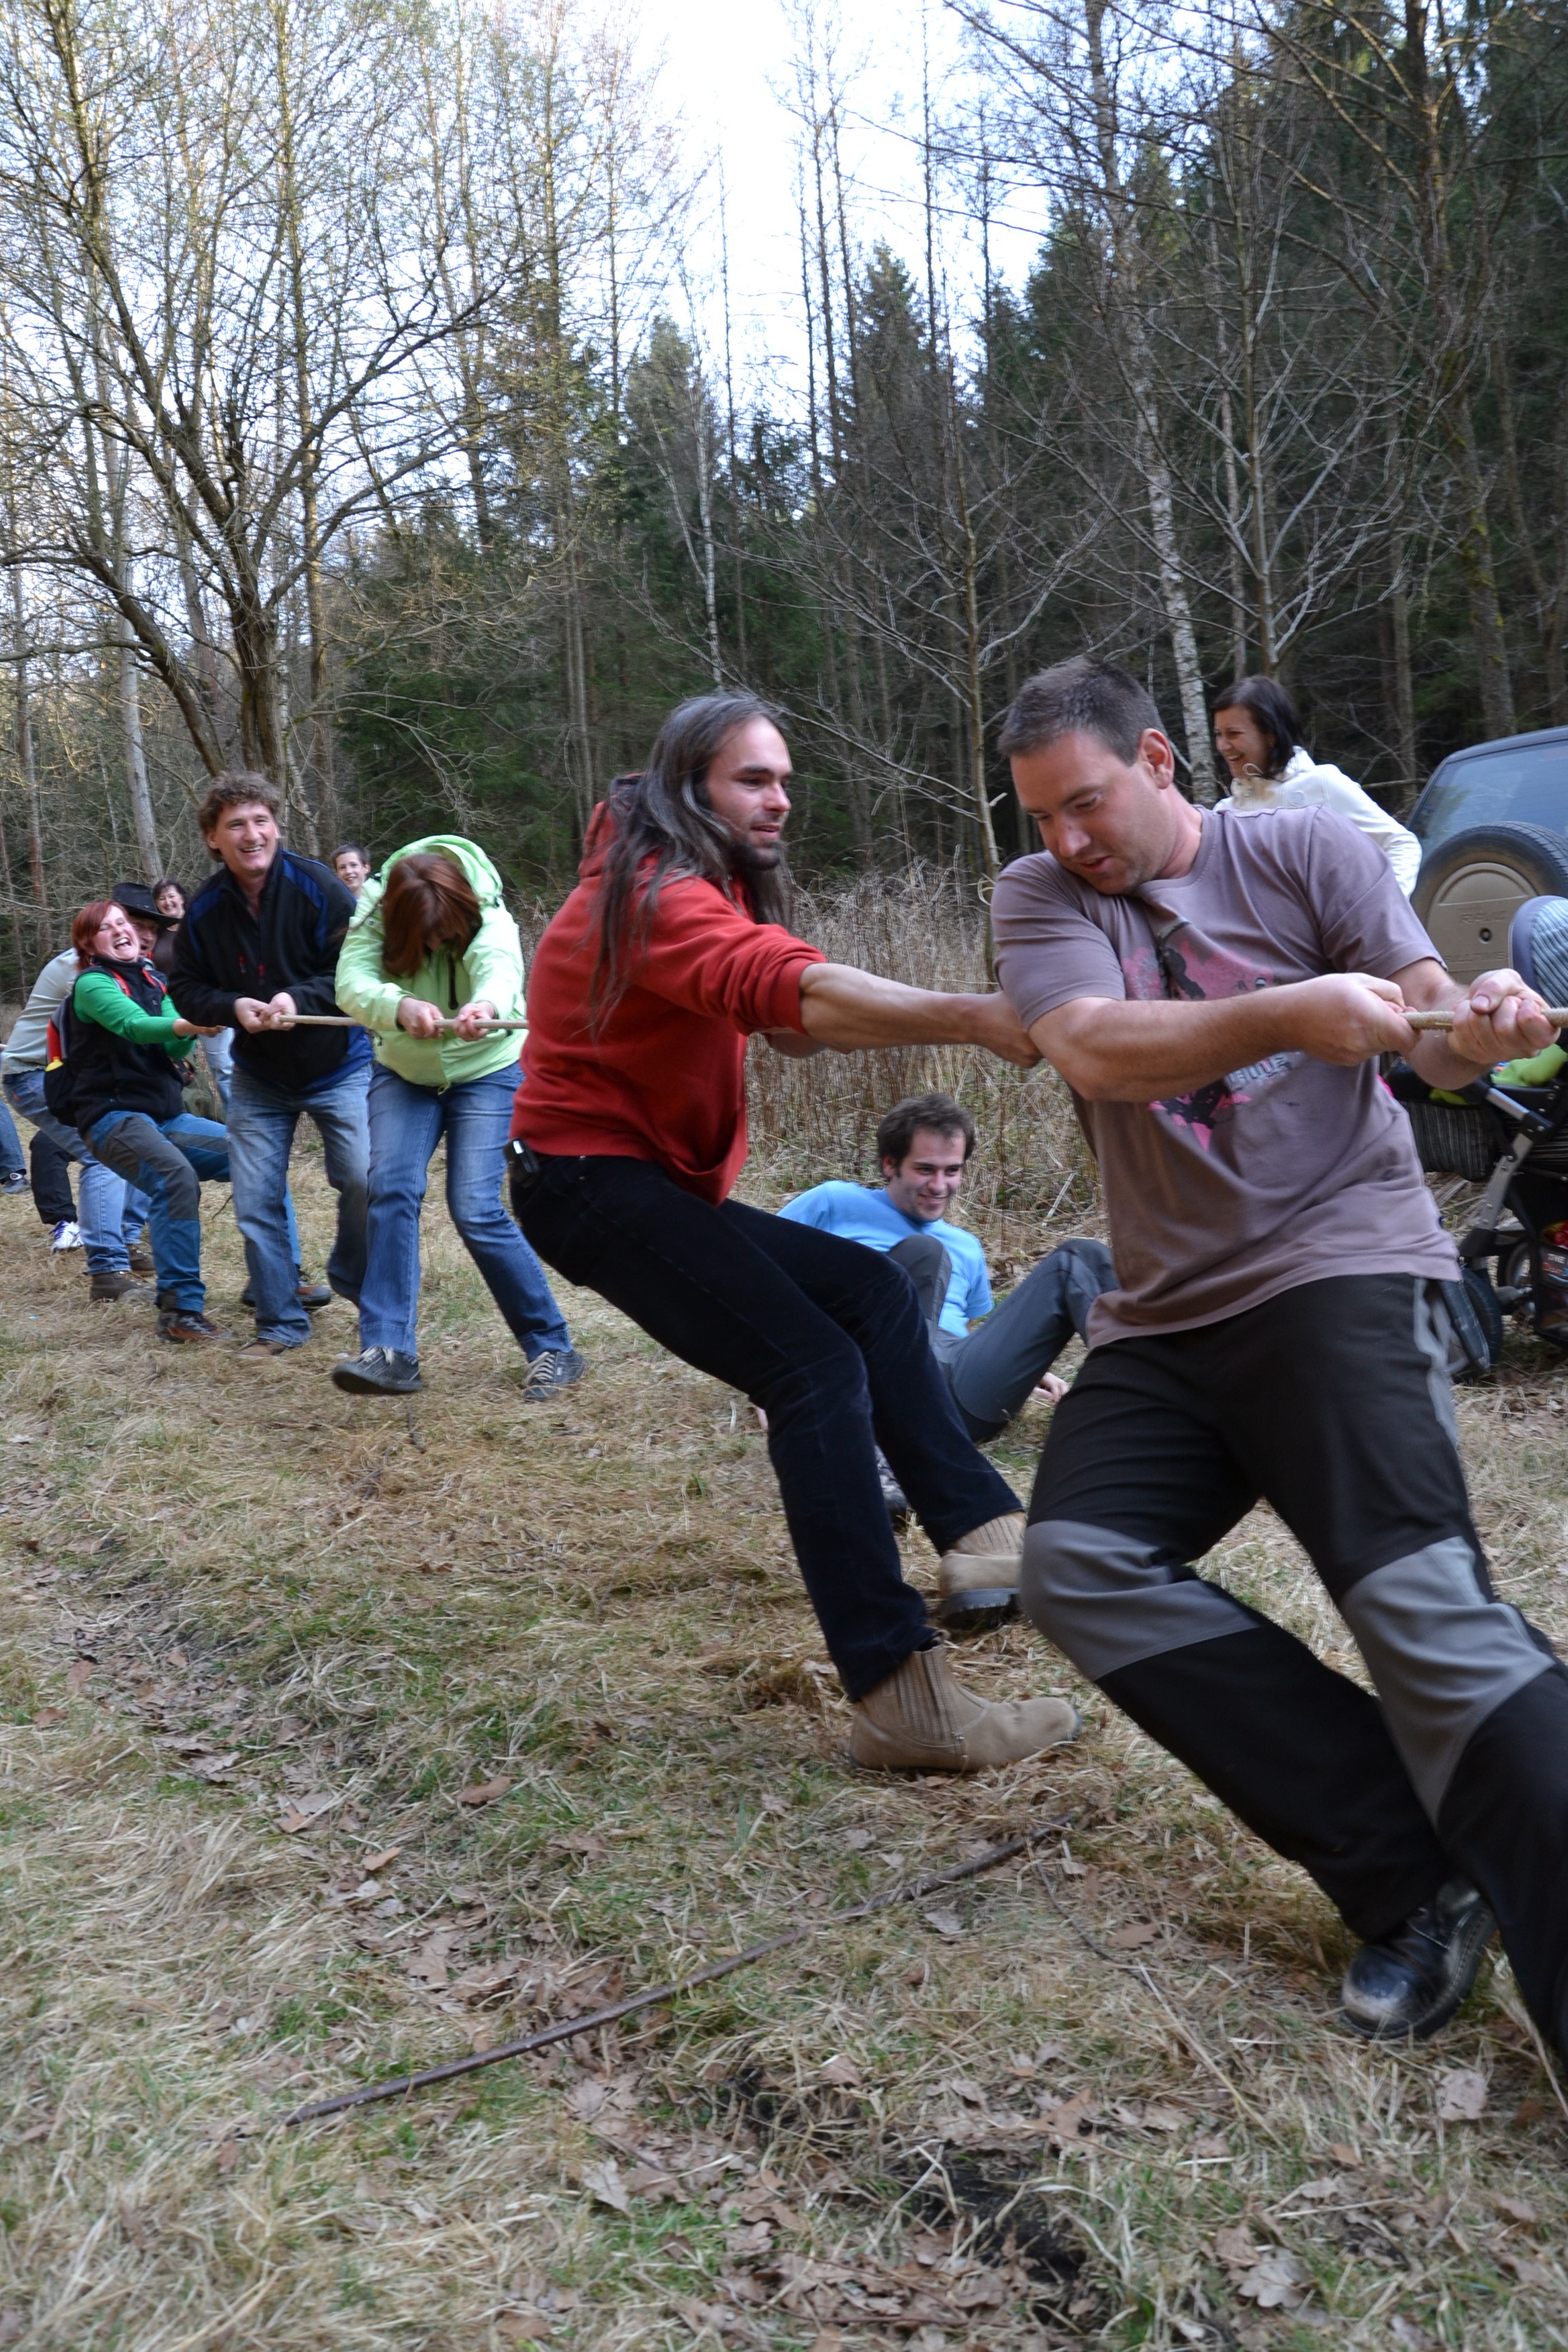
663	1078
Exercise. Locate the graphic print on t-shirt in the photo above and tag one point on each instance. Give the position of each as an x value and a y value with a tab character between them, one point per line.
1182	963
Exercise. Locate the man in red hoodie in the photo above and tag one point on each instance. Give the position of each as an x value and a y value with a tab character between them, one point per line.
630	1128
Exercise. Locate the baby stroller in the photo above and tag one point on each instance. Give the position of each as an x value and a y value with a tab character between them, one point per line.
1514	1141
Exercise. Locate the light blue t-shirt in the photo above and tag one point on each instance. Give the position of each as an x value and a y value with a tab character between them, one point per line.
863	1213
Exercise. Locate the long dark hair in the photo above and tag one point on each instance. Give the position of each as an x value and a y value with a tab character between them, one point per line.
1275	713
662	815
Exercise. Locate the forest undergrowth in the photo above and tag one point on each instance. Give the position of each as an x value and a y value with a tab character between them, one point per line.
336	1738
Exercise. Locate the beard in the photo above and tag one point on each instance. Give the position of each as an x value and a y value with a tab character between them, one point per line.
747	856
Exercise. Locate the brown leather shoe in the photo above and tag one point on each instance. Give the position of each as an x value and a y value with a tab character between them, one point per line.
922	1720
977	1580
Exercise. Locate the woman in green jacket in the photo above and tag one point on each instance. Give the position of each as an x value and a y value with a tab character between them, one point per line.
431	962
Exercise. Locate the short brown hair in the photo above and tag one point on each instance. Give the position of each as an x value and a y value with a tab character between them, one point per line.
235	788
1082	697
429	901
937	1114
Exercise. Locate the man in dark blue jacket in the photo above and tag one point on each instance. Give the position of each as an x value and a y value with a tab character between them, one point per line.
260	944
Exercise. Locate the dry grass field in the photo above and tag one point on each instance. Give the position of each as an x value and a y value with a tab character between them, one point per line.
336	1741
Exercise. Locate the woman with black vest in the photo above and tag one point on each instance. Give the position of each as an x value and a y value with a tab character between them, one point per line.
124	1040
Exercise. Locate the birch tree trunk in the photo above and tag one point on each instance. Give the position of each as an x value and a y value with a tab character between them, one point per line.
1123	304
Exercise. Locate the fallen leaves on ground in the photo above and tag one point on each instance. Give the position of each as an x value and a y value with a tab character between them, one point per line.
1461	2094
1266	2276
946	1924
484	1793
1276	2282
1127	1940
303	1813
605	2186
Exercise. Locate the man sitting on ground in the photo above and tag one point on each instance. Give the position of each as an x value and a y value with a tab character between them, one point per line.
923	1145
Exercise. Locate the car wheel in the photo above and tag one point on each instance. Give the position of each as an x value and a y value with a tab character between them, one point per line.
1472	885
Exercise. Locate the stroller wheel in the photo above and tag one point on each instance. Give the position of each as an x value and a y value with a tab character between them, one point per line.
1475	1325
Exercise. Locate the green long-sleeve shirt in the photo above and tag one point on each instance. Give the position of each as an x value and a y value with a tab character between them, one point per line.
96	997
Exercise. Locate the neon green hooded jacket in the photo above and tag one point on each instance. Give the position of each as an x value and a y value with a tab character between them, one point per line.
491	967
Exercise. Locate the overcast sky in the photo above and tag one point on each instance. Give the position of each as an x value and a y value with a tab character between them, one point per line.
728	72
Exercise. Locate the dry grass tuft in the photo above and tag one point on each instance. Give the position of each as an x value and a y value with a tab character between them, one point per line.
258	1641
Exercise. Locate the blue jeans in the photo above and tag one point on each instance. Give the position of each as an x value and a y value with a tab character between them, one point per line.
219	1053
12	1162
167	1159
111	1213
261	1124
406	1122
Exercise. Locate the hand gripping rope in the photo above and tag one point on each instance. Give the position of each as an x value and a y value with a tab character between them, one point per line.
1556	1014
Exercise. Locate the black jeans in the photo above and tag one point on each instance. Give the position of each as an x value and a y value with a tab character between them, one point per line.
1332	1402
826	1337
51	1177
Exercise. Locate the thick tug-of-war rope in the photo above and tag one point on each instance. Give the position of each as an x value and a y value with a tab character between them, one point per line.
1556	1014
342	1021
572	2027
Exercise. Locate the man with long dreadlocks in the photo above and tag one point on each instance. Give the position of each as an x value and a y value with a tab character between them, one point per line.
629	1130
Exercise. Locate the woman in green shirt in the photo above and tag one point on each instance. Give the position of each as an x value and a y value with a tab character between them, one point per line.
432	963
125	1043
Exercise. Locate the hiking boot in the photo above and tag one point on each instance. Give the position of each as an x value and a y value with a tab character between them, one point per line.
922	1720
557	1368
188	1330
378	1371
67	1235
115	1284
141	1259
977	1579
1408	1984
893	1495
309	1294
260	1347
15	1179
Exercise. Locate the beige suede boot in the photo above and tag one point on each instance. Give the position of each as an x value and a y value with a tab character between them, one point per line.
922	1720
977	1580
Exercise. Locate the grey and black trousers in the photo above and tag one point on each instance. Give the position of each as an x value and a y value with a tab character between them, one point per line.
1332	1402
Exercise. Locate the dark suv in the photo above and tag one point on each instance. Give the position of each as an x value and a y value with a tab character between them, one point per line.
1493	829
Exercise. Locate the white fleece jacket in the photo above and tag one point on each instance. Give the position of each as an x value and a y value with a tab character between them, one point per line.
1307	783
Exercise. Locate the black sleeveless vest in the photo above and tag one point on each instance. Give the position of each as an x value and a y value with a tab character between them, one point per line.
108	1073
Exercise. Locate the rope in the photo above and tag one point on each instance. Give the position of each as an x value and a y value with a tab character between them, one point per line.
569	2030
1556	1014
342	1021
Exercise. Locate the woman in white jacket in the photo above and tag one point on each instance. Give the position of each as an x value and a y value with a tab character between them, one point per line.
1258	734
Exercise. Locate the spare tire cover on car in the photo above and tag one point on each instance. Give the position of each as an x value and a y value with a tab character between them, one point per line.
1473	885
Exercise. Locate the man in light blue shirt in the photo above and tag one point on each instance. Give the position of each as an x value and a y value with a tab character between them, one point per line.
923	1145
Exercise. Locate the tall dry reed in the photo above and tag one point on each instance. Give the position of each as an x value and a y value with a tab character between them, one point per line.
811	1121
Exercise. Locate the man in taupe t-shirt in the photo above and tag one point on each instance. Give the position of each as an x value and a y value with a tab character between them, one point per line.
1215	988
